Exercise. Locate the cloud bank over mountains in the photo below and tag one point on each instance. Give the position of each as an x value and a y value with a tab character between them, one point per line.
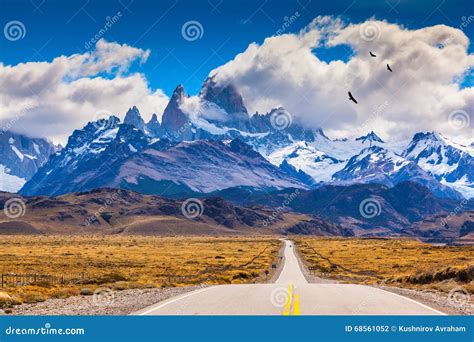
423	93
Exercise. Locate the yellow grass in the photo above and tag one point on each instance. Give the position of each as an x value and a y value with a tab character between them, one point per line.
133	261
393	261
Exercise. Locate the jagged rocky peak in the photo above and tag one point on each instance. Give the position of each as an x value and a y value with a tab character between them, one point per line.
154	127
178	94
370	137
426	136
91	131
175	122
223	94
153	120
134	118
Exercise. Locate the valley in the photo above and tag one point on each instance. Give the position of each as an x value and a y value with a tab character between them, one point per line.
125	274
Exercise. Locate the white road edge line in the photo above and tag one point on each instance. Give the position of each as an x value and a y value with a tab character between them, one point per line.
414	301
173	301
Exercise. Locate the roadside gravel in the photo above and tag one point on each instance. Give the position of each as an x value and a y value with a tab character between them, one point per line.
105	303
436	300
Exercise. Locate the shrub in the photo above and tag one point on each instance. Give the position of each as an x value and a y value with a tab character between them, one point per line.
5	299
120	286
241	275
111	278
65	293
33	297
86	292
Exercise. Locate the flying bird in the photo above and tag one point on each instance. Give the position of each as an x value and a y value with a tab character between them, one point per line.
372	55
388	68
352	97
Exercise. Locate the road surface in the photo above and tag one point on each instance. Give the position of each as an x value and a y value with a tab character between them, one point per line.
291	294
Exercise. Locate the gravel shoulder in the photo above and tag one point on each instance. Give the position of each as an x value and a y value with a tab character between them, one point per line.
107	303
436	300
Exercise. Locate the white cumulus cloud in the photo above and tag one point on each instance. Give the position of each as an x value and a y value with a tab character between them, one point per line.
51	99
420	94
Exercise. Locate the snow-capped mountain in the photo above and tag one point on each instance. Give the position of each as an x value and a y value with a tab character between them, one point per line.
378	165
307	158
21	157
450	163
193	148
106	153
370	138
322	157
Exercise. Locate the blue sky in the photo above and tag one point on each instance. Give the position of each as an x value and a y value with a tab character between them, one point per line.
307	66
63	27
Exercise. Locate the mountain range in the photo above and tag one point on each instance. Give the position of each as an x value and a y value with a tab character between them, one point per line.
210	147
209	142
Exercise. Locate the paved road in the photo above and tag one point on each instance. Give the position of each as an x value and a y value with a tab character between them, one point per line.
291	294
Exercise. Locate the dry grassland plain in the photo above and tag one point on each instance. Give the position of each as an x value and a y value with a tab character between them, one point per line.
402	263
123	262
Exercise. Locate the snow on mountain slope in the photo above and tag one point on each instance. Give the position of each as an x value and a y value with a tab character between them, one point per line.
450	163
307	158
21	156
8	182
322	157
378	165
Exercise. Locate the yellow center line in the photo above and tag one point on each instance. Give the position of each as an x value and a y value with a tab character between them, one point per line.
289	299
296	305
